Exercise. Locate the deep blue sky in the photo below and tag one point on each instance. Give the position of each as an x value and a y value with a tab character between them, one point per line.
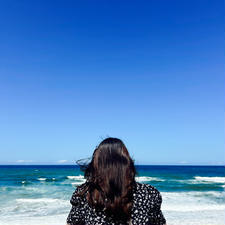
148	72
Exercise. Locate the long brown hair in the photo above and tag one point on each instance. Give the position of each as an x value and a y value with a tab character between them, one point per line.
110	177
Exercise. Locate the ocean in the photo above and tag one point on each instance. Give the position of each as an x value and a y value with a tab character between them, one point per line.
39	195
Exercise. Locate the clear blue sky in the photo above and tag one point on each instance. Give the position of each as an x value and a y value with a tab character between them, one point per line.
148	72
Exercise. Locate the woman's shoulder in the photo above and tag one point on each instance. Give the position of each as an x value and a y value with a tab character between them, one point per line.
80	188
146	187
148	191
78	194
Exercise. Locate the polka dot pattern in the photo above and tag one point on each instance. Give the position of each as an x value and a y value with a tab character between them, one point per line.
146	209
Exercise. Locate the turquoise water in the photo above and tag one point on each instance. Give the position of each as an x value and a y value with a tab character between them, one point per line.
41	194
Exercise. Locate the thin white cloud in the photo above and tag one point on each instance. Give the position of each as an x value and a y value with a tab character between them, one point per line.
24	161
62	161
183	162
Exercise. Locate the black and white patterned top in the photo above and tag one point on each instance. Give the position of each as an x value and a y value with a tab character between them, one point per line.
146	209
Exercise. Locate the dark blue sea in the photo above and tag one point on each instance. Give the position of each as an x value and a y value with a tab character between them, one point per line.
39	195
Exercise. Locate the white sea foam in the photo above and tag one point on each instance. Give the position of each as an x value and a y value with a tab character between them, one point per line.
34	189
204	180
77	183
40	220
42	179
23	182
193	195
37	200
144	179
193	208
210	179
139	179
35	207
193	201
189	208
80	177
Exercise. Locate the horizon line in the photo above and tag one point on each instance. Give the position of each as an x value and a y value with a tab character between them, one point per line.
134	164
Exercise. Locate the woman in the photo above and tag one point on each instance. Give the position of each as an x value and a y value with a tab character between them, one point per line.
110	195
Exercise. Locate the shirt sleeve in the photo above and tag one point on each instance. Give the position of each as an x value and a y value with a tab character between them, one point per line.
156	216
76	214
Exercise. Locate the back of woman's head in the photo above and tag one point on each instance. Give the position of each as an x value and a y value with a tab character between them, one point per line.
110	176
